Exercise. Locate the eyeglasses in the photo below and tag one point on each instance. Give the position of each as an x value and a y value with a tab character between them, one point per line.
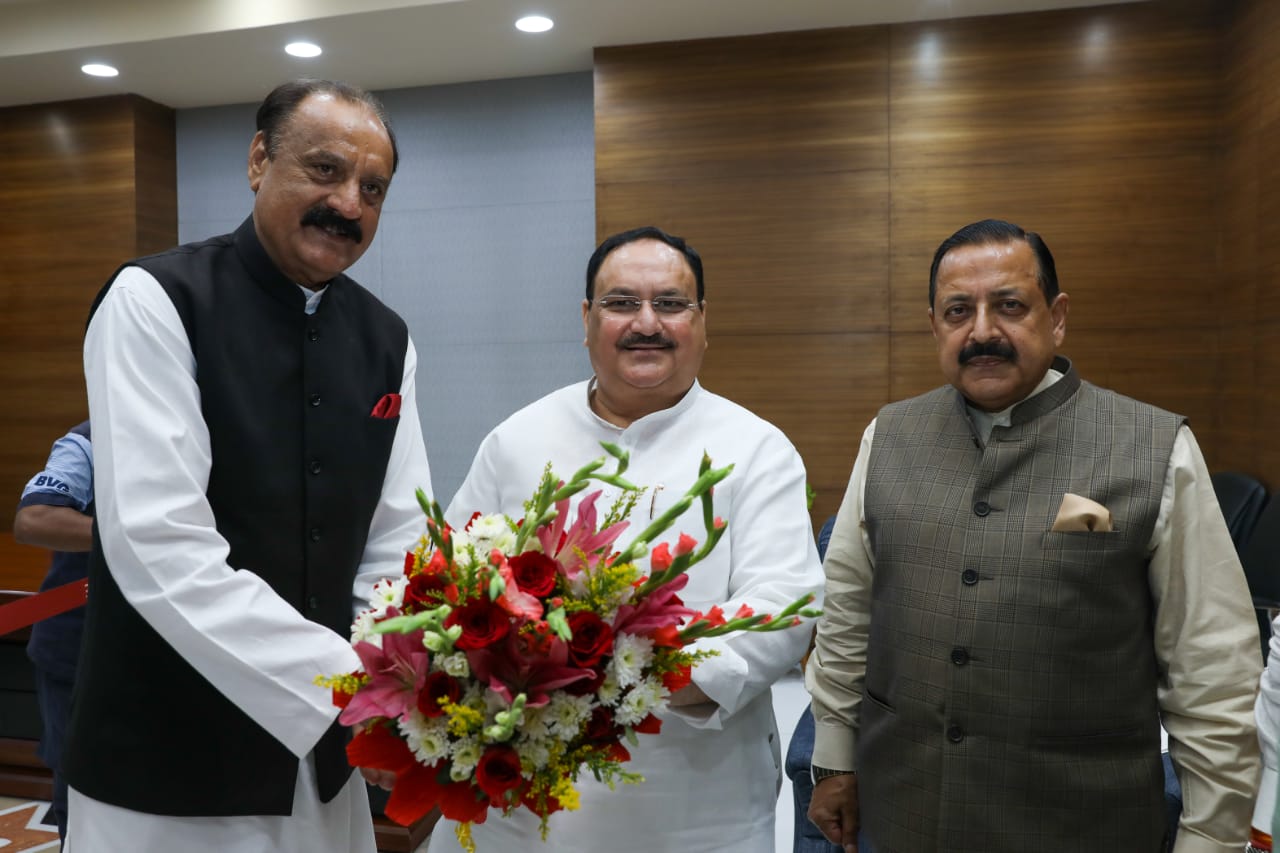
626	306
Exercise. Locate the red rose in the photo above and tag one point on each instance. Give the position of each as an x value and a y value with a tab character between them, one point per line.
601	728
535	572
439	685
592	638
483	624
498	772
409	561
425	590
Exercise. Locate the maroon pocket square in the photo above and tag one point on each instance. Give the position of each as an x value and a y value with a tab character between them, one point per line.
388	407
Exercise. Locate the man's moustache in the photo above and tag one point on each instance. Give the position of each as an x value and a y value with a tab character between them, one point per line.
998	349
645	340
325	217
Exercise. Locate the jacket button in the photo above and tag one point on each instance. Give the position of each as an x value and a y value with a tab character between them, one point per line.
959	657
314	467
315	400
955	734
313	334
969	576
981	508
313	603
315	534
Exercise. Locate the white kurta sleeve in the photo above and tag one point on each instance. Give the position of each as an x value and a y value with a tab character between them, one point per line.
481	491
398	522
152	462
773	561
1206	642
838	665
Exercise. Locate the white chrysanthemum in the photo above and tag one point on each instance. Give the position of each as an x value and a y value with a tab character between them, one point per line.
388	592
455	665
609	692
568	713
642	700
535	754
484	534
428	737
362	629
631	654
536	723
466	755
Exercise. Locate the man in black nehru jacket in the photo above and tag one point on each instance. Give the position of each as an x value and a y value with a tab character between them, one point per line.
257	449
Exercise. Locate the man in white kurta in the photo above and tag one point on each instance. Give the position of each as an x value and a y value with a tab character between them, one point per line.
712	774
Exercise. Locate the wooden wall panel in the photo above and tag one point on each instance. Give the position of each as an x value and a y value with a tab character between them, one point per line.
1248	409
72	170
1055	87
796	103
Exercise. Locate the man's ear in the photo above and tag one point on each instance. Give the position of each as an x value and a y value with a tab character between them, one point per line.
258	159
1058	317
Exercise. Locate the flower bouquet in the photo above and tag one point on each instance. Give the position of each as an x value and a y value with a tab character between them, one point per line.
514	653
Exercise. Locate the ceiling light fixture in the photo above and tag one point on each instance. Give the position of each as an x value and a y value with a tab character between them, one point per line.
303	49
534	24
96	69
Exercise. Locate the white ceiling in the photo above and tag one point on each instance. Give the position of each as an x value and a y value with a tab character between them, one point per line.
189	53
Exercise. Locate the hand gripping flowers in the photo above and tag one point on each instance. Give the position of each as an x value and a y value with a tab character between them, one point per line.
514	653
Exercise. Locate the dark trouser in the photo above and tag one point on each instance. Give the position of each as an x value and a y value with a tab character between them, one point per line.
54	695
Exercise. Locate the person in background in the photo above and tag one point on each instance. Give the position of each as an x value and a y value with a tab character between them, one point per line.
1027	576
56	512
712	774
257	448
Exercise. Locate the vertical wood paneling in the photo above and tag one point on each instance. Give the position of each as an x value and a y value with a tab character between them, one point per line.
832	163
91	184
1247	407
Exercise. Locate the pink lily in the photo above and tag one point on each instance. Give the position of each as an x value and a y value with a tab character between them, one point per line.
581	545
396	672
656	610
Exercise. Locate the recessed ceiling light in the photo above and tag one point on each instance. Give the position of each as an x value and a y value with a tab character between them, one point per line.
304	49
96	69
534	24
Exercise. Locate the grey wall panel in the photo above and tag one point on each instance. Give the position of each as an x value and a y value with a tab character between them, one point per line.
483	241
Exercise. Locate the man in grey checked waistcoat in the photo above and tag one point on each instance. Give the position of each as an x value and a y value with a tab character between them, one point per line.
1028	576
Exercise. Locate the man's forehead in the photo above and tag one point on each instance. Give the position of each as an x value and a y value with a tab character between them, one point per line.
643	260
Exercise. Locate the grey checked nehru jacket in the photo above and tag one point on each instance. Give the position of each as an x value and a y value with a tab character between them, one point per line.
1011	677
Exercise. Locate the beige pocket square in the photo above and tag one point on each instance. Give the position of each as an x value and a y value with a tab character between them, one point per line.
1077	513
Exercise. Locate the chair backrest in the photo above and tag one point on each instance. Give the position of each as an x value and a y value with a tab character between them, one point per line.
1242	498
1261	557
824	536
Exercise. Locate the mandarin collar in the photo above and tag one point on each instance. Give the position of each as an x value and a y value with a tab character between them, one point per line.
650	423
